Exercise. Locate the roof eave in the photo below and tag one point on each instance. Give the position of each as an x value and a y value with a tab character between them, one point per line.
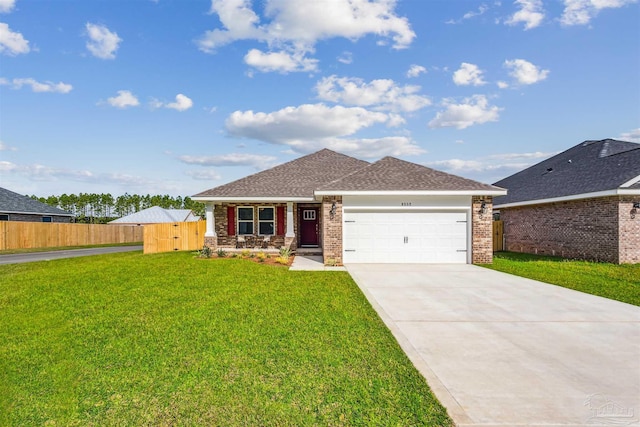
488	192
606	193
247	199
36	213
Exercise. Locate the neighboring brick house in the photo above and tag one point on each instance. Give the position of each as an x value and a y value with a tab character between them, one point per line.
354	211
16	207
583	203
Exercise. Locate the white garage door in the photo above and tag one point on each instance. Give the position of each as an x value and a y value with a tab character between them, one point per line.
405	237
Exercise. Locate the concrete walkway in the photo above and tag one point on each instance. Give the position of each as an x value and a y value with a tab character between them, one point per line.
311	263
499	350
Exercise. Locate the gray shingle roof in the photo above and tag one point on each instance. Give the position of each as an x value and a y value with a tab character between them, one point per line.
590	166
297	178
157	215
17	203
391	174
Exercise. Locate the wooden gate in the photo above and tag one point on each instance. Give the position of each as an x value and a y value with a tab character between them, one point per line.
177	236
498	236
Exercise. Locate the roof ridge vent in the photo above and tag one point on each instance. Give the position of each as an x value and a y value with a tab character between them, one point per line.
604	151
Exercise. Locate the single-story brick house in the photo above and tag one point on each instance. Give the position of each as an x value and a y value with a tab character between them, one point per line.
583	203
16	207
355	211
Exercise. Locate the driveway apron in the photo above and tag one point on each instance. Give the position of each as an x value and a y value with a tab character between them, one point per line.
500	350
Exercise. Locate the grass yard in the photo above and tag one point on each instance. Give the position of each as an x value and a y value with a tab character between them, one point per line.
618	282
169	339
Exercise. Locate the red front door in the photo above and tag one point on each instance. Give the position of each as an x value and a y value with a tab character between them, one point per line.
309	227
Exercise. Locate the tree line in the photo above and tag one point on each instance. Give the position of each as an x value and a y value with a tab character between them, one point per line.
101	208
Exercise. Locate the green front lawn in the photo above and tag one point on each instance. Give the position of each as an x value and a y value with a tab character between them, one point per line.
132	339
618	282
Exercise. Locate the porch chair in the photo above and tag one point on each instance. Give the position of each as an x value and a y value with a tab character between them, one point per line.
241	242
266	241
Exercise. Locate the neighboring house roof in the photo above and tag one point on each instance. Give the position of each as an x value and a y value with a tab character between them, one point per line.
297	178
394	175
591	168
11	202
156	215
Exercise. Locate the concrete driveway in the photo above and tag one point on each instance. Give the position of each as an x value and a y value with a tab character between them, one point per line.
500	350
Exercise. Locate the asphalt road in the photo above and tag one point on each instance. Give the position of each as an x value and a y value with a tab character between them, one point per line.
72	253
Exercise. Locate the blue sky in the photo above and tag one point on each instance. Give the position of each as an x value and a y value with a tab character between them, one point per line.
175	97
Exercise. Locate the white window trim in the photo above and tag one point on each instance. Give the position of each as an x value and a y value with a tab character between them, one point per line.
273	208
238	220
305	210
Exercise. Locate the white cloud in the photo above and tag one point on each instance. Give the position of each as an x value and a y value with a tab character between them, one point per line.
280	61
468	74
524	72
294	27
182	103
309	127
581	12
123	100
382	94
632	136
12	43
502	84
531	13
5	147
38	86
472	111
102	42
346	57
491	168
204	175
471	14
232	159
415	70
7	6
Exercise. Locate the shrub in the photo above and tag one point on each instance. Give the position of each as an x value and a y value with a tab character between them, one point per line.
261	256
205	252
285	252
245	253
282	260
221	253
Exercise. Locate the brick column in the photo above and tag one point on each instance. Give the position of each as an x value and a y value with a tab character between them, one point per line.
481	230
332	230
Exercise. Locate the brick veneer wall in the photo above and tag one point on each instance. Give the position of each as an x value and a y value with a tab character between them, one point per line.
629	230
481	230
598	229
223	239
332	230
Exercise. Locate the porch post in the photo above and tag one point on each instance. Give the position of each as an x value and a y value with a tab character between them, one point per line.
211	224
290	232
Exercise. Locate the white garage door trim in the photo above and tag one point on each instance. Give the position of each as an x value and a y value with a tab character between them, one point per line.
406	235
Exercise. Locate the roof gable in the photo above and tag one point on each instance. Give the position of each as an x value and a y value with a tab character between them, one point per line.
17	203
297	178
589	167
391	174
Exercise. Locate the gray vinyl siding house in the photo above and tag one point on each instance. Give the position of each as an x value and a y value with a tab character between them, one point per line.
16	207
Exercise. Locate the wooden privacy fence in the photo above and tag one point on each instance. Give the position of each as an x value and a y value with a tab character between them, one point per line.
177	236
498	236
29	235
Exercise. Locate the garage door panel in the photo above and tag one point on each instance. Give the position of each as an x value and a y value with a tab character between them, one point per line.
405	237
